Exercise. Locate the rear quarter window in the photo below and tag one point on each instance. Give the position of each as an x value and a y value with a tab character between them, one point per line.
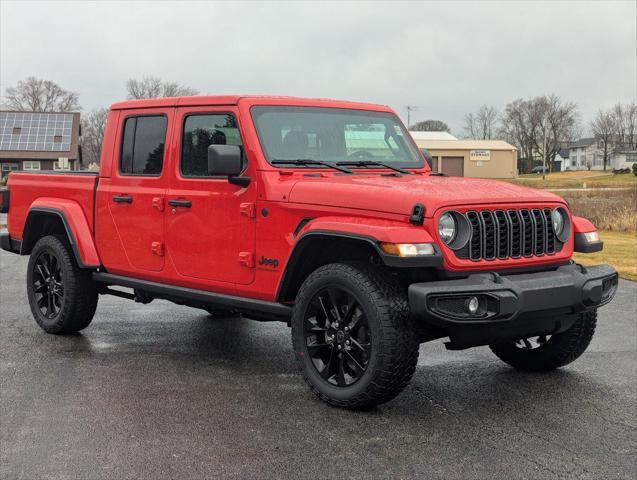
143	145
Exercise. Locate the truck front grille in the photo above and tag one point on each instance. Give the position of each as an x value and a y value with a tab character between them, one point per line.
510	233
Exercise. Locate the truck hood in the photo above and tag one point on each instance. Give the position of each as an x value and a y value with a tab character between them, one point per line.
392	194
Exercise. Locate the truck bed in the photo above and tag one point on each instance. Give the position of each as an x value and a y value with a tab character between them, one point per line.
27	187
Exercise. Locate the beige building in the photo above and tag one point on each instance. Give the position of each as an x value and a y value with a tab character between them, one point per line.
471	158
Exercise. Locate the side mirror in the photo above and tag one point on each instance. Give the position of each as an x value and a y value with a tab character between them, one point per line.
224	160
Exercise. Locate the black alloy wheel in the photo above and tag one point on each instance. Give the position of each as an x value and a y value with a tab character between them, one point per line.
353	337
48	285
62	296
337	336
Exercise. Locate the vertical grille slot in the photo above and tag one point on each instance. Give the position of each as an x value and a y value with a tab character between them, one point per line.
540	227
489	234
527	229
503	233
517	235
550	233
475	243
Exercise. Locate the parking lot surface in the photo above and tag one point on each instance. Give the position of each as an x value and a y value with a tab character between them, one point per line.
161	391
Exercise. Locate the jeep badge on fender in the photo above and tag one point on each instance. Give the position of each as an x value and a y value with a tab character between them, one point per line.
269	262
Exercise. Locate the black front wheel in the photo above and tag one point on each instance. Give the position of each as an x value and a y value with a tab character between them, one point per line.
62	296
352	335
548	352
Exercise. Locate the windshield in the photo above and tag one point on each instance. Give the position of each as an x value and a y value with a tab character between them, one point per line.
333	135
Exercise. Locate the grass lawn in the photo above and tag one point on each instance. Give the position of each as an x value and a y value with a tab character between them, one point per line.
620	251
576	180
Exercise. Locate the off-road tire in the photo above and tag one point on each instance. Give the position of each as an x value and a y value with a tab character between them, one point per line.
394	338
561	349
80	296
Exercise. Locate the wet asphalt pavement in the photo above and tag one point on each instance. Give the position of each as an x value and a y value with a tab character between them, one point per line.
162	391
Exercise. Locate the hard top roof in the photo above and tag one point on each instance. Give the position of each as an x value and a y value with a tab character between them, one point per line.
213	100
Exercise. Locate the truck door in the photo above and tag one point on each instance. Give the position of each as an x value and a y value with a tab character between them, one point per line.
210	223
135	192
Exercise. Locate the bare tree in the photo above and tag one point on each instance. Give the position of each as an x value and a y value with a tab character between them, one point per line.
481	125
153	87
36	95
540	125
604	129
430	126
562	121
93	125
625	120
519	128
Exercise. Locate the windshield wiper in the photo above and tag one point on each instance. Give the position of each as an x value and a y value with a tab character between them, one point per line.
372	163
309	161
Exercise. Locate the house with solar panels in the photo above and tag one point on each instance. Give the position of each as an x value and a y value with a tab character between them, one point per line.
31	141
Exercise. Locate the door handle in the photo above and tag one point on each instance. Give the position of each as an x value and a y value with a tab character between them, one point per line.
122	199
180	203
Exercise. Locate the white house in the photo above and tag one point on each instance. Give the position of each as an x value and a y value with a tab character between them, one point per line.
589	153
586	153
624	159
562	162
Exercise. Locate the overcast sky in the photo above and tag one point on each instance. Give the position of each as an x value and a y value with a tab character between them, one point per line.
446	58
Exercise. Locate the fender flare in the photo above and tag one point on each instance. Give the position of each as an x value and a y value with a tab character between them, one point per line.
75	224
372	229
369	231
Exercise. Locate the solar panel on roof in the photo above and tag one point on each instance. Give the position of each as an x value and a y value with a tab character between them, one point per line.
36	132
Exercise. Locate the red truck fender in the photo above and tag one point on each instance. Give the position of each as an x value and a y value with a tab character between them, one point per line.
318	241
581	225
75	224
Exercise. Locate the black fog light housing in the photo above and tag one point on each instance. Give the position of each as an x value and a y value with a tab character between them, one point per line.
464	307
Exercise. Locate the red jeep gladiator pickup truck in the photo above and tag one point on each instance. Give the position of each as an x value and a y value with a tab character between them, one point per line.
320	213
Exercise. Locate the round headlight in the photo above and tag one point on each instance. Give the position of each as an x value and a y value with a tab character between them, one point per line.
447	227
558	222
561	224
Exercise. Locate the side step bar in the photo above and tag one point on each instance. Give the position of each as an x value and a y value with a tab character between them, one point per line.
169	292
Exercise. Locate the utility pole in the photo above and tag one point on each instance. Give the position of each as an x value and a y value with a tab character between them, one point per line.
410	108
544	148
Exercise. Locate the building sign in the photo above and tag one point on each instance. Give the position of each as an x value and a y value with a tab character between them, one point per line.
479	155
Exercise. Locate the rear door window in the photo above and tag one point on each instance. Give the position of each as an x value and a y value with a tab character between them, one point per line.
143	145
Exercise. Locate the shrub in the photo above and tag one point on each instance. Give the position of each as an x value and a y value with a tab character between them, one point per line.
635	168
607	209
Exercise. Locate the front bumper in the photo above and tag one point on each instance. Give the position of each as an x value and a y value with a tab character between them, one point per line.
511	306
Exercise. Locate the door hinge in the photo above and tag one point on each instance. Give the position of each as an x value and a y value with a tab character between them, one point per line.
157	248
248	209
246	259
158	203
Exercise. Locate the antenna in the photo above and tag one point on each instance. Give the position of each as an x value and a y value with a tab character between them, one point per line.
410	108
